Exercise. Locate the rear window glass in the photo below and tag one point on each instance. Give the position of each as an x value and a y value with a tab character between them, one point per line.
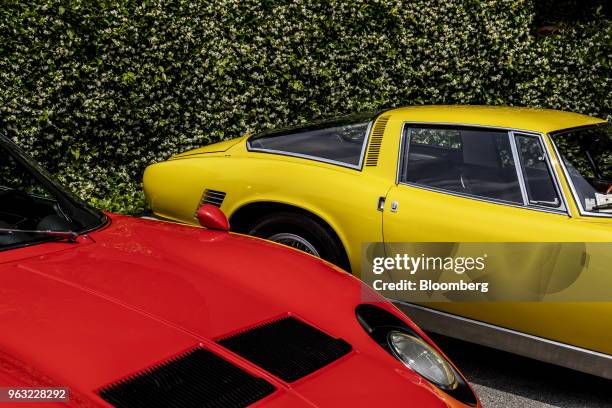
339	141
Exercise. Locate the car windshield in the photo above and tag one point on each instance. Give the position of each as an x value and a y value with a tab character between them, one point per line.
32	202
587	155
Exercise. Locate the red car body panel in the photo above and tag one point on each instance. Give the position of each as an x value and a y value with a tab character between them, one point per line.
136	292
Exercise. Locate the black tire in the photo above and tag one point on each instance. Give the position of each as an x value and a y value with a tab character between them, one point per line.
324	242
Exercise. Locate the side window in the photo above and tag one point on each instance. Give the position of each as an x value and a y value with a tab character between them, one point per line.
340	144
443	138
539	182
469	161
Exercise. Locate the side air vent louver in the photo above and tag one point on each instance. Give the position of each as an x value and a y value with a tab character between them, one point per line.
287	348
376	141
213	197
195	379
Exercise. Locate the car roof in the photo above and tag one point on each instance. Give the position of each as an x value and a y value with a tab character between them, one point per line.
533	119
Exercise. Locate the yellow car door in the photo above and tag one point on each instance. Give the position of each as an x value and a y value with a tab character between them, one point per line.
477	184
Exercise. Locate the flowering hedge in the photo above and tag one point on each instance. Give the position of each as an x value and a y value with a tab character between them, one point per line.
96	90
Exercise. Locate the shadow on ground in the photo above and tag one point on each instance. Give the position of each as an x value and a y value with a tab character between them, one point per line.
507	380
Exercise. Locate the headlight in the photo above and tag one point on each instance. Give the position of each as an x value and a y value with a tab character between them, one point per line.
400	340
419	356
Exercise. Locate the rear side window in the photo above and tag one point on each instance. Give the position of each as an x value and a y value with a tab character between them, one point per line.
468	161
340	141
539	182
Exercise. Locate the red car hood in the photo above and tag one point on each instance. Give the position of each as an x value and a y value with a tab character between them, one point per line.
138	292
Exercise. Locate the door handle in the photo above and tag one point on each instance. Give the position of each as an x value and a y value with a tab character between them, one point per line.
381	204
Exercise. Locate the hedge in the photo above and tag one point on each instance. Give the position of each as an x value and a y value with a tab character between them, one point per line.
97	90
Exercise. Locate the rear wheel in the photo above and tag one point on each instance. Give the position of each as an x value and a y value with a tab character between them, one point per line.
301	232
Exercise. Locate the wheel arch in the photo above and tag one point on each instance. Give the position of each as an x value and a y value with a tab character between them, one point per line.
244	216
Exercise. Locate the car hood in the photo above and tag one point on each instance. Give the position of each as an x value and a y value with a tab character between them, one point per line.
139	292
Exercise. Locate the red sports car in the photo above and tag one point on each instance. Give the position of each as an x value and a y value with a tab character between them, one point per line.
128	312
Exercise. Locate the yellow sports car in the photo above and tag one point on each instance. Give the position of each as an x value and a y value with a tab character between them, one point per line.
425	174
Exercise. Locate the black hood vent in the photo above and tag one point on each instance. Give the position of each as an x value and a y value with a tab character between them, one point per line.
288	348
195	379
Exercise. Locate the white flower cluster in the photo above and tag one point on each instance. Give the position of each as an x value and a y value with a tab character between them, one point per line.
98	90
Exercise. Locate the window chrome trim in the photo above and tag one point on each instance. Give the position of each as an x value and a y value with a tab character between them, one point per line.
570	183
358	166
400	154
563	209
563	206
366	141
517	166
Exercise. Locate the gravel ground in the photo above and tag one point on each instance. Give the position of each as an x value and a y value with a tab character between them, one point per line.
506	380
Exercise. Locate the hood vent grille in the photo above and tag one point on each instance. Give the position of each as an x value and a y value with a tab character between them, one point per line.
376	141
213	197
195	379
288	348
